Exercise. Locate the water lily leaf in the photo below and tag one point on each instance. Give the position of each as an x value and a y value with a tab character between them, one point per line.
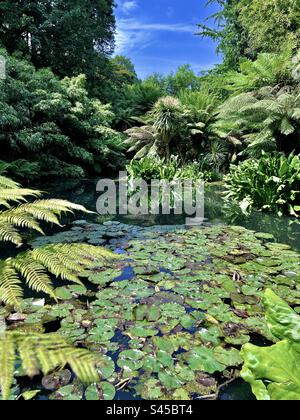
154	313
151	364
102	391
169	380
165	344
211	335
229	358
181	395
150	389
64	293
131	359
104	277
143	332
173	310
165	358
203	359
100	335
106	367
188	322
264	236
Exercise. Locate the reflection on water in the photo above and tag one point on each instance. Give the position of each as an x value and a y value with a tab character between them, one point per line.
285	229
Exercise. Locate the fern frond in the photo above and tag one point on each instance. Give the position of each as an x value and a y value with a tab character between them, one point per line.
7	364
9	234
45	353
17	194
56	263
28	215
26	347
34	274
59	206
65	261
7	183
83	365
20	220
11	290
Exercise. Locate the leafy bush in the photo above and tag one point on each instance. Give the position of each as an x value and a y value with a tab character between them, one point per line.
273	372
271	183
173	169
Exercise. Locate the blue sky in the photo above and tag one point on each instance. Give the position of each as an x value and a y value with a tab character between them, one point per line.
159	35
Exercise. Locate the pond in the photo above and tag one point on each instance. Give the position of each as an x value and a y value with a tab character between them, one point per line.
285	229
173	311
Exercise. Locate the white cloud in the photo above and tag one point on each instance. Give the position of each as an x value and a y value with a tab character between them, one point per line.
133	24
127	40
128	6
133	34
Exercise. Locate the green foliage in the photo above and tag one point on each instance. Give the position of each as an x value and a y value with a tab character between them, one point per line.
21	168
269	24
166	130
66	262
183	79
271	183
227	31
124	71
273	372
134	101
269	69
42	353
202	103
263	112
153	168
54	126
168	121
69	36
245	28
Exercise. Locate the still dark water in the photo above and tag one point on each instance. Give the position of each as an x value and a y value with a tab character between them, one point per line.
285	229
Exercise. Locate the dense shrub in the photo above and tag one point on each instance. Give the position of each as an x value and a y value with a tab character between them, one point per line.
271	183
150	168
54	124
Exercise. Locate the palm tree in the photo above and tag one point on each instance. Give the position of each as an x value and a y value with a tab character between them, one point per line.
168	114
143	141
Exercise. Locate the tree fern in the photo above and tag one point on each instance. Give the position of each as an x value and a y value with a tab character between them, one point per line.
269	69
263	120
42	353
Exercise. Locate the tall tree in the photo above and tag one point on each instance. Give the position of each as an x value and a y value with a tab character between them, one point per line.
70	36
228	31
245	28
270	23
